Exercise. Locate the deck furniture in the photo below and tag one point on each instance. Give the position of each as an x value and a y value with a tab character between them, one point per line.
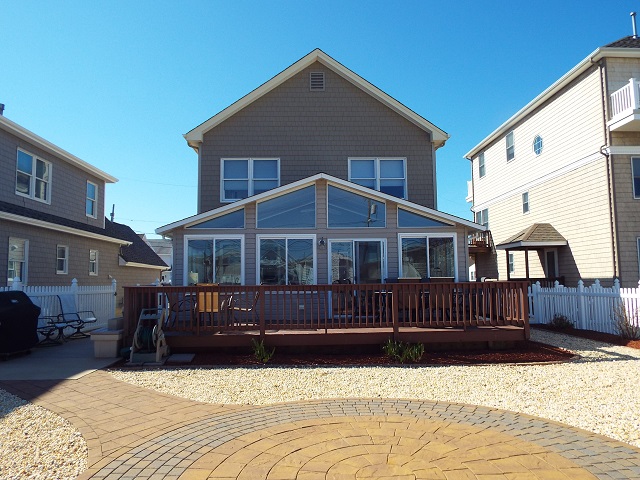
71	317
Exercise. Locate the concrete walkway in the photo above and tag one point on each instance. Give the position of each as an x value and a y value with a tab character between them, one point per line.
134	433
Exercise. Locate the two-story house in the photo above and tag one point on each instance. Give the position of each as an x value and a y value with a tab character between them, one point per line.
316	177
52	223
558	183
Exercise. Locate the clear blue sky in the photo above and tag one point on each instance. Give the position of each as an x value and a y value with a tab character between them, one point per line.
117	83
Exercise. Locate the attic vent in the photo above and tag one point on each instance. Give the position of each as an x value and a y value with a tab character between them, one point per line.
316	81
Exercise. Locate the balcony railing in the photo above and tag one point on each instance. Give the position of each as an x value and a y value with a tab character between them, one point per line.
625	100
480	242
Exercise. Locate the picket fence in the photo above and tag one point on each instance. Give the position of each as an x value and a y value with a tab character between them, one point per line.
100	299
589	308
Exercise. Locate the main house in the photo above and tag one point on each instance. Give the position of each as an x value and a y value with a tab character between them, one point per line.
317	177
52	223
558	183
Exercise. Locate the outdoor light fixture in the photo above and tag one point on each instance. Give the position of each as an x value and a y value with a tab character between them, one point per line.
321	242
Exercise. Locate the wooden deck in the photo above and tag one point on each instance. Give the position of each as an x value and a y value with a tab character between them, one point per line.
212	316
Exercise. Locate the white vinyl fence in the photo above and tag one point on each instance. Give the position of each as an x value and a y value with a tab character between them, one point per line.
589	308
100	299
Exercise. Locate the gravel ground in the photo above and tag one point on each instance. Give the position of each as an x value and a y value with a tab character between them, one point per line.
598	393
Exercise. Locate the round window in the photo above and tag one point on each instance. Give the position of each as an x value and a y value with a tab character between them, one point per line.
537	144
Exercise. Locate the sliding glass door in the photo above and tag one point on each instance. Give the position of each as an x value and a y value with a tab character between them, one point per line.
356	261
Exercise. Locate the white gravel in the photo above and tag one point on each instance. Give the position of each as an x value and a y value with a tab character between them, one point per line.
598	392
35	443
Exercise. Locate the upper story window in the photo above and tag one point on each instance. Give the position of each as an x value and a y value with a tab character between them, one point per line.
481	168
482	217
387	175
92	200
511	149
243	177
635	166
292	210
525	202
33	177
537	145
350	210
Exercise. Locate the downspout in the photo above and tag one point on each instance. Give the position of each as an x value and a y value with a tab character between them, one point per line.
609	165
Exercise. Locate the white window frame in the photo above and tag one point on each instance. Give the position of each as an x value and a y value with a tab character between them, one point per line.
636	195
525	203
383	242
213	238
94	272
25	261
267	236
32	177
250	179
482	168
482	213
377	178
93	200
537	140
427	236
511	262
511	146
65	270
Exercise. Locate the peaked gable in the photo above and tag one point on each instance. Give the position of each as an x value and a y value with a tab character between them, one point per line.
195	136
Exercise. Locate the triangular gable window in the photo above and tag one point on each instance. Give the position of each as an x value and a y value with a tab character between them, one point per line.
296	209
350	210
407	219
230	220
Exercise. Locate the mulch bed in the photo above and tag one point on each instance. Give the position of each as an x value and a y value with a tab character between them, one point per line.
530	352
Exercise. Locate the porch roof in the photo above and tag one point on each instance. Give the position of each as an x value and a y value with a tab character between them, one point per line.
436	214
538	235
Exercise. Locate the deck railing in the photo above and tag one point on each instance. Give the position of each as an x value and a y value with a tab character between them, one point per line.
205	309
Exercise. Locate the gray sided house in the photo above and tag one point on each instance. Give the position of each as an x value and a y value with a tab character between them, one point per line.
52	224
317	177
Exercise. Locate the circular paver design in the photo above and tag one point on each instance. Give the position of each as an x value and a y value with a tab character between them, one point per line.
375	439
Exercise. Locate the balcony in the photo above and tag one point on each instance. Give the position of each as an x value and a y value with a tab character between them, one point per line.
625	108
480	242
469	198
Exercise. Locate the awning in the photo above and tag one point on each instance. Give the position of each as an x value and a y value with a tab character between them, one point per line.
538	235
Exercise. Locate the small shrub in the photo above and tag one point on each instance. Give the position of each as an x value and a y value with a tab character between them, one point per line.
625	322
560	322
403	351
260	352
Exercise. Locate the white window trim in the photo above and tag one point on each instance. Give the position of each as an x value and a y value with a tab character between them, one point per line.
185	250
475	216
265	236
66	260
97	262
511	263
383	242
533	145
32	186
250	178
527	203
482	165
513	145
95	201
377	171
26	261
636	195
453	235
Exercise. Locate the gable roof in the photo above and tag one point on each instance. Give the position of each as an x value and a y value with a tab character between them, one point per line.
186	222
627	47
137	252
195	136
535	236
29	136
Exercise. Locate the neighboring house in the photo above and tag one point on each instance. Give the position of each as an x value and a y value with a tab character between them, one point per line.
164	248
317	176
558	184
52	224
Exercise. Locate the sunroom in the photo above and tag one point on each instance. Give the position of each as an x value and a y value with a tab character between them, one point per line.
319	230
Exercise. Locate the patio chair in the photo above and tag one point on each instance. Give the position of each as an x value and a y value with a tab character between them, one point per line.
72	317
236	306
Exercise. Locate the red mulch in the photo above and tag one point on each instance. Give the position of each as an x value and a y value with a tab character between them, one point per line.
529	352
